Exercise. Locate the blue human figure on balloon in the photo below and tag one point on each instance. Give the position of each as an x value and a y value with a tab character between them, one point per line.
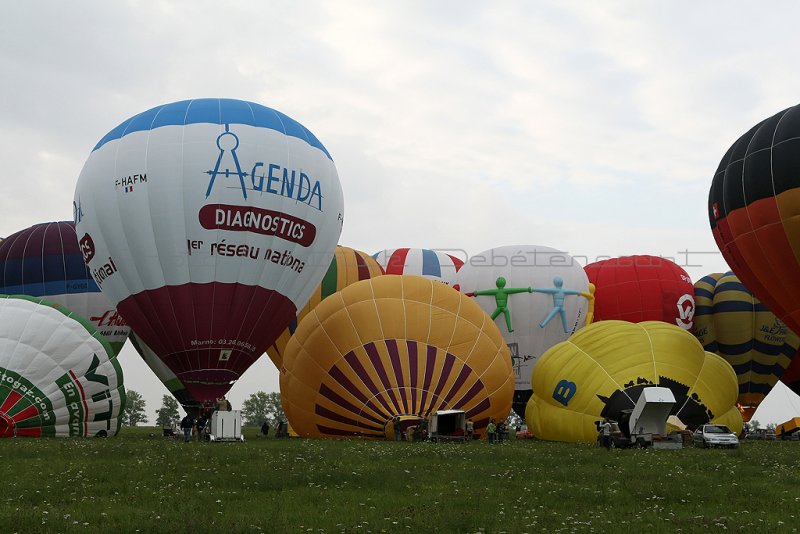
559	296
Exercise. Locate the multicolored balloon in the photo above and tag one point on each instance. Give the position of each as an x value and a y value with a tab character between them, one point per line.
753	207
433	264
734	324
45	261
58	374
537	296
393	346
208	223
347	267
642	288
602	369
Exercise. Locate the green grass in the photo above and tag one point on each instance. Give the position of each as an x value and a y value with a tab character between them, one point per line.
139	481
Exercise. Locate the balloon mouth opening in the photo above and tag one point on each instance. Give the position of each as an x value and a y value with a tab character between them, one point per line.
7	426
400	425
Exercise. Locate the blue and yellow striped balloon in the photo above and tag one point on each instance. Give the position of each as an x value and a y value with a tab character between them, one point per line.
733	323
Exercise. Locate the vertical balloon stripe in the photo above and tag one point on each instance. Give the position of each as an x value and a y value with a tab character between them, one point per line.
378	365
362	267
460	380
430	263
471	393
413	370
396	263
377	392
329	284
338	375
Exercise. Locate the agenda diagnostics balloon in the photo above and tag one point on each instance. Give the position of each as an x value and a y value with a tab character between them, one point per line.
538	296
347	267
45	261
753	207
208	223
393	346
602	369
642	288
734	324
58	375
433	264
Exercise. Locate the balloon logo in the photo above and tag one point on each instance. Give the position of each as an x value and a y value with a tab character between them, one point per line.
642	288
753	208
208	223
45	261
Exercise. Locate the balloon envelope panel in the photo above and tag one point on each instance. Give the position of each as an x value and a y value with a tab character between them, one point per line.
731	322
45	261
602	369
522	267
208	223
753	211
642	288
393	346
347	267
58	375
433	264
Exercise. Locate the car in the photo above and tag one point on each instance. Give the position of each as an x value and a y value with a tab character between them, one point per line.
715	436
524	433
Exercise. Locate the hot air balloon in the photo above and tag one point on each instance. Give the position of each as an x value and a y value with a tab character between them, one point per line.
58	375
208	223
602	369
347	267
518	286
393	346
732	323
45	261
753	208
433	264
642	288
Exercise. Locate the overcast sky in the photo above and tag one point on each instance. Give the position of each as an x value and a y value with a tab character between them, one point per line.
593	127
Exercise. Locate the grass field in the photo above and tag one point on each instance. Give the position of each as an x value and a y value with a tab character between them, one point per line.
142	482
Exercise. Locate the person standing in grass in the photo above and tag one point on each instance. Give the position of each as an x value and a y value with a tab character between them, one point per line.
491	430
187	425
470	429
397	430
605	433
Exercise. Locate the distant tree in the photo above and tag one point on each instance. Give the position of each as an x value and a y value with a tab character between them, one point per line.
167	415
771	427
513	420
754	425
260	407
134	409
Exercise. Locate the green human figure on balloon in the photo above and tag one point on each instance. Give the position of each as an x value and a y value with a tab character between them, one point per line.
559	296
500	295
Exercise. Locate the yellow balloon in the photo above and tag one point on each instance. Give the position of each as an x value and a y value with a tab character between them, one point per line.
347	267
602	369
393	346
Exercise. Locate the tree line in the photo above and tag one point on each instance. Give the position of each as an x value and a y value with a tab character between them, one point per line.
258	407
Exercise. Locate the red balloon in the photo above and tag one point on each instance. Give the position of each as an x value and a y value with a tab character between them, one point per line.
642	288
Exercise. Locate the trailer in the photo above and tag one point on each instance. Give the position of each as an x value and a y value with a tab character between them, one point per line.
226	426
448	425
646	424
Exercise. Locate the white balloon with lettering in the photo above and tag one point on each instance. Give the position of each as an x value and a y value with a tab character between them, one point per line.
208	223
